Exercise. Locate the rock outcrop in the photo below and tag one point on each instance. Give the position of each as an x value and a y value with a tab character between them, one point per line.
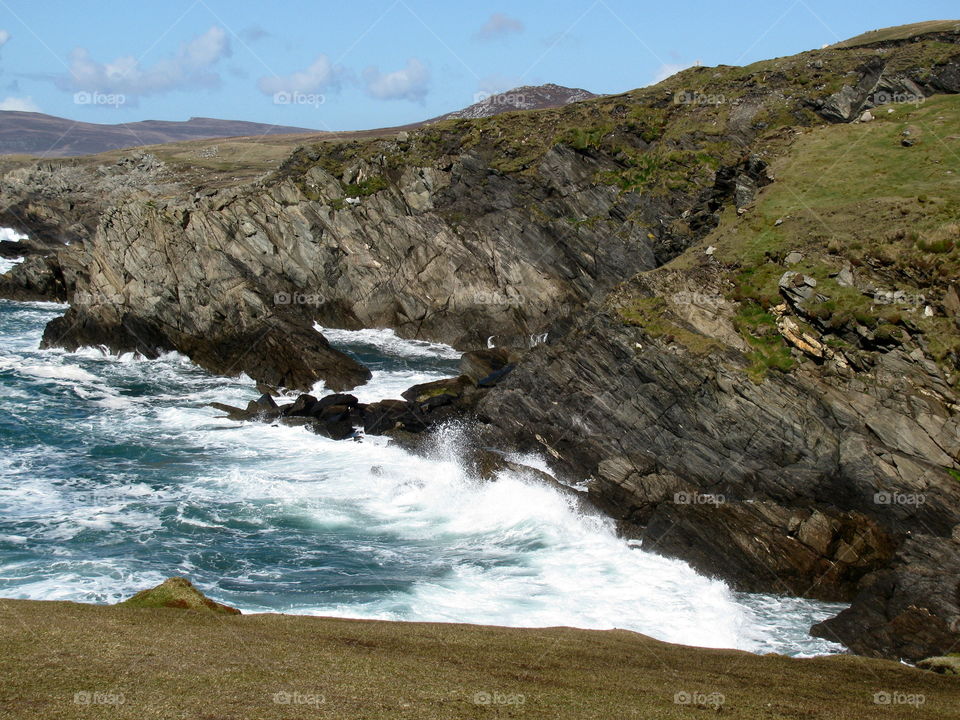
178	593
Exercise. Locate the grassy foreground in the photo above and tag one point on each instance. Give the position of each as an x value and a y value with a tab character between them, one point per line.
66	660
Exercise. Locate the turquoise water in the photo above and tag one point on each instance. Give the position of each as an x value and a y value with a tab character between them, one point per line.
115	474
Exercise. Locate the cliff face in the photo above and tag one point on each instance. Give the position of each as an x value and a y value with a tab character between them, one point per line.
235	278
752	346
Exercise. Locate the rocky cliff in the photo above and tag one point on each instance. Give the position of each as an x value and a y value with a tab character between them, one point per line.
744	277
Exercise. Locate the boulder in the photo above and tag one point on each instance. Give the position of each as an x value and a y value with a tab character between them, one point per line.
179	593
302	406
447	389
379	417
909	610
946	665
480	364
797	287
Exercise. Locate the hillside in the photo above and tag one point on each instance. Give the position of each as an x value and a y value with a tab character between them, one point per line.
66	661
27	133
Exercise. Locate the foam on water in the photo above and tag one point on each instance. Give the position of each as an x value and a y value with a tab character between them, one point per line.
115	473
9	235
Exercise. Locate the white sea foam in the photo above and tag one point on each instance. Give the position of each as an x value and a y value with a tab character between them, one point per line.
387	342
276	513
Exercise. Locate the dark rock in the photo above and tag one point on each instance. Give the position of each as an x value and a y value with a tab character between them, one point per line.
909	610
949	665
302	406
334	429
386	415
480	364
264	407
234	413
335	399
450	388
797	287
495	377
37	278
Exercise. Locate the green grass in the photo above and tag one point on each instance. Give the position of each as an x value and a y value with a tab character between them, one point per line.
650	314
851	195
770	350
134	663
366	187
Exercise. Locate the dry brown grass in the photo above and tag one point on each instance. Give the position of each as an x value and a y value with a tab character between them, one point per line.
64	660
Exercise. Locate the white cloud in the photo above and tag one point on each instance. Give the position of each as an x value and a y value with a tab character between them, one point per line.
669	69
190	67
320	76
4	36
19	104
498	26
410	83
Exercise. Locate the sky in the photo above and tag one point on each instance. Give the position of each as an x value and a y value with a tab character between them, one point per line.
335	65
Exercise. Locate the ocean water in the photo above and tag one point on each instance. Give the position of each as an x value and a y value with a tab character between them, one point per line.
115	474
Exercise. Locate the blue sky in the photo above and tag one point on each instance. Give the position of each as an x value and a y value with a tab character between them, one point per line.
375	63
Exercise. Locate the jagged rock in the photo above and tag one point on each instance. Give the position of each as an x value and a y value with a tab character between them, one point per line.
951	302
446	390
303	406
797	287
794	447
177	592
36	278
910	610
480	364
386	415
234	413
793	258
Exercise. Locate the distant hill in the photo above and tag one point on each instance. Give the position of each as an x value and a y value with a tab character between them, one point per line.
27	133
30	133
528	97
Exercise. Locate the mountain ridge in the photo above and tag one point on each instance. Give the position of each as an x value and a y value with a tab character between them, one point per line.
39	134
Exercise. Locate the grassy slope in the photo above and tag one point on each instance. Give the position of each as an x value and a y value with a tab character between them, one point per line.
900	32
853	194
849	195
177	663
